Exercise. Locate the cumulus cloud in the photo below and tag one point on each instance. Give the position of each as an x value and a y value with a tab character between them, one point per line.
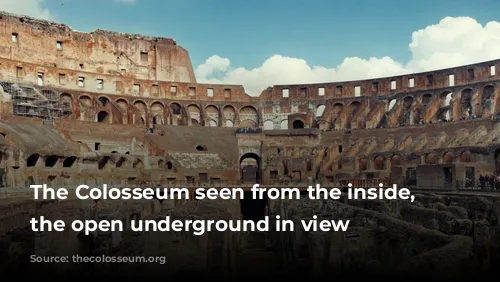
32	8
451	42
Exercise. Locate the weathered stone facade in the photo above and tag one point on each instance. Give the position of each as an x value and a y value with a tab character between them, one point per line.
126	110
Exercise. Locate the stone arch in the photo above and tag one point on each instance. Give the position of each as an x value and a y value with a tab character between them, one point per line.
249	113
396	160
250	168
141	106
122	104
175	108
426	99
379	163
51	161
465	156
430	158
103	163
103	100
297	124
284	124
448	157
103	117
69	161
213	115
85	101
407	113
32	160
120	162
66	99
353	109
466	102
158	112
229	115
268	125
195	113
486	100
337	107
363	164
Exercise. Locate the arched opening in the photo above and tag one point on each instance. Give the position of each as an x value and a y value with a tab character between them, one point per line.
268	125
363	164
85	101
250	168
51	161
120	162
466	103
195	113
448	157
103	116
169	165
430	158
486	109
175	108
229	114
298	124
212	113
426	98
379	163
251	209
396	160
102	163
32	160
201	148
407	113
69	162
465	156
284	124
104	101
122	104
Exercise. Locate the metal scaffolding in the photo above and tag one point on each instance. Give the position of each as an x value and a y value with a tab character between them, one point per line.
31	102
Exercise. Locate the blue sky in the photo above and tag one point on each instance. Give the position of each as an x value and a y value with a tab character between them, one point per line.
299	34
248	32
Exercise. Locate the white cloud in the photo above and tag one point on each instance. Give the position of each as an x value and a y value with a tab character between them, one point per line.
33	8
449	43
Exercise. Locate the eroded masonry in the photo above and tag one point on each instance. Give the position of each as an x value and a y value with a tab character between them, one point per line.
126	110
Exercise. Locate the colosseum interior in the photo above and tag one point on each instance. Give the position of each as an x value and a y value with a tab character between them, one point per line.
126	110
